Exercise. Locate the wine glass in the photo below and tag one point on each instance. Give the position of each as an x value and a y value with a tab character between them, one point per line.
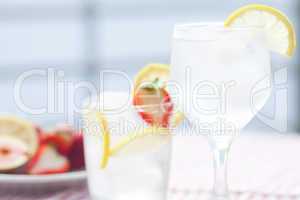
215	71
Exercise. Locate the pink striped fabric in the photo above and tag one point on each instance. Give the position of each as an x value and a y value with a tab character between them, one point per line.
261	166
174	194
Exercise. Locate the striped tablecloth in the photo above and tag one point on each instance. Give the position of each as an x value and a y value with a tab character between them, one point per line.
174	194
260	167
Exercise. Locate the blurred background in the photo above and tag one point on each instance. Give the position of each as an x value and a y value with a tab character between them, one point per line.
82	37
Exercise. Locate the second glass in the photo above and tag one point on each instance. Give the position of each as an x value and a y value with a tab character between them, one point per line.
136	165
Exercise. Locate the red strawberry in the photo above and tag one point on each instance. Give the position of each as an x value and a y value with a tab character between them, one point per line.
48	161
66	133
61	137
154	105
61	142
76	154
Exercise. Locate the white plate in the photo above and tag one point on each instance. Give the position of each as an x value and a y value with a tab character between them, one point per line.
55	180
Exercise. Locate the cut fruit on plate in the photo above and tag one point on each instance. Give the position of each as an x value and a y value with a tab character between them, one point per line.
62	144
20	129
48	161
141	141
97	124
62	136
76	153
13	153
280	33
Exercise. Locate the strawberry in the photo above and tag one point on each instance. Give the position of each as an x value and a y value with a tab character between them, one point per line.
62	143
47	161
154	104
76	154
61	137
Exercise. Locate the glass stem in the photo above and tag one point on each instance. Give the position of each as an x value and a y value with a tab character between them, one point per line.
220	166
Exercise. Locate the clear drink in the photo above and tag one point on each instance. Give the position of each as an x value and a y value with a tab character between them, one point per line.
221	77
224	67
140	168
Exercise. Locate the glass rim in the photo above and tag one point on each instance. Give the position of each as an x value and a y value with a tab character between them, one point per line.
190	30
214	25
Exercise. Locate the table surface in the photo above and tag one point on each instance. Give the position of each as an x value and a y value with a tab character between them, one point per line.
260	167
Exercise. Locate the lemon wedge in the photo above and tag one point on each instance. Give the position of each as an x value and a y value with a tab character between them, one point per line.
20	129
280	33
147	138
141	140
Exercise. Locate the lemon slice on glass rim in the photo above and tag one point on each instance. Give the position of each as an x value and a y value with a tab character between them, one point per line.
135	141
140	141
280	33
145	138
